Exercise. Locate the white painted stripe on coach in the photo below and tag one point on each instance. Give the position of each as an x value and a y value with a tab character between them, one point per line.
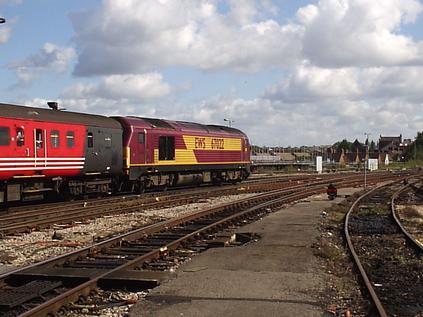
42	159
2	169
48	163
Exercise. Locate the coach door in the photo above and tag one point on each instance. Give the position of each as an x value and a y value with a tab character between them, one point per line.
98	149
21	146
40	148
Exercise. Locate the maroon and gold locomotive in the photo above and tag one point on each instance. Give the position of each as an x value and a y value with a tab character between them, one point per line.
46	152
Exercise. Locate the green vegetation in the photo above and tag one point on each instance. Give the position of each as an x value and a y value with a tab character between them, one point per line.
372	211
344	144
415	150
408	164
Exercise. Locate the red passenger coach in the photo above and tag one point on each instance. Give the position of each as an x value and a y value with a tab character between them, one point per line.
26	152
44	151
170	153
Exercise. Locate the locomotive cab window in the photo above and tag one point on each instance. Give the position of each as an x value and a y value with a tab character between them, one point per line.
20	137
38	138
4	136
90	140
54	139
166	148
70	139
141	138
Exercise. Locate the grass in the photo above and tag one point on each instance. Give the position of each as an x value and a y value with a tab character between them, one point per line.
408	164
372	211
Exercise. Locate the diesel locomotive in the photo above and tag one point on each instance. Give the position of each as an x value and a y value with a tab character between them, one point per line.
49	152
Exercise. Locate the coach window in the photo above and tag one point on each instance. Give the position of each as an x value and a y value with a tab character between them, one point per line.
108	142
141	138
54	139
4	136
166	148
20	137
70	139
90	140
39	138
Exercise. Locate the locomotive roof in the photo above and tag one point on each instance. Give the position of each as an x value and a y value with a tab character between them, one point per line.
40	114
182	125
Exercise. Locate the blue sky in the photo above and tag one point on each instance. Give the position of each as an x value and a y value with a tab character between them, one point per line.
288	72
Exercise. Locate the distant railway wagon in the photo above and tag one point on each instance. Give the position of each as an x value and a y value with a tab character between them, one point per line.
48	152
172	153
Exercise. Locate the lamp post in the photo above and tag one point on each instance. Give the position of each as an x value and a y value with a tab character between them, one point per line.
230	121
365	159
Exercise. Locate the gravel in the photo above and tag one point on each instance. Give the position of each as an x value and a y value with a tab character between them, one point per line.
25	249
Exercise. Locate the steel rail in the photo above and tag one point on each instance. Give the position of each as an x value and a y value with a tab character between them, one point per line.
33	220
150	194
265	200
24	221
414	242
366	280
153	228
379	306
85	288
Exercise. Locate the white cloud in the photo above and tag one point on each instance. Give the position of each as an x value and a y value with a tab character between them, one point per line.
309	84
117	87
271	122
50	58
349	67
340	33
132	36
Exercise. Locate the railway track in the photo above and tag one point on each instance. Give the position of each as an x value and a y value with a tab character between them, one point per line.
65	213
388	257
136	258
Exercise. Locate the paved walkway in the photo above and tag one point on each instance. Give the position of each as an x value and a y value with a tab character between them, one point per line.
275	276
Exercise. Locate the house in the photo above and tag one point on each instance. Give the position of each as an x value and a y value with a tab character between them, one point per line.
390	144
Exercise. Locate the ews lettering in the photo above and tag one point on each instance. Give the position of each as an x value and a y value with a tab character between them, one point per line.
200	143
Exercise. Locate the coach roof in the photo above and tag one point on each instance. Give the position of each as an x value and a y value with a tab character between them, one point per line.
40	114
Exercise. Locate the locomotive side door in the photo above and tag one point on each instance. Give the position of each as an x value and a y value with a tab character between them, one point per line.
140	155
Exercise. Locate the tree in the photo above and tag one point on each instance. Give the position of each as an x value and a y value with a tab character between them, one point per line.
415	150
344	144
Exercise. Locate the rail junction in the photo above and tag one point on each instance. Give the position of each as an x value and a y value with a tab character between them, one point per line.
143	257
388	257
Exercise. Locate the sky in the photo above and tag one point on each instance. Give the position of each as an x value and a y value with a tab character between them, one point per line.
285	72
